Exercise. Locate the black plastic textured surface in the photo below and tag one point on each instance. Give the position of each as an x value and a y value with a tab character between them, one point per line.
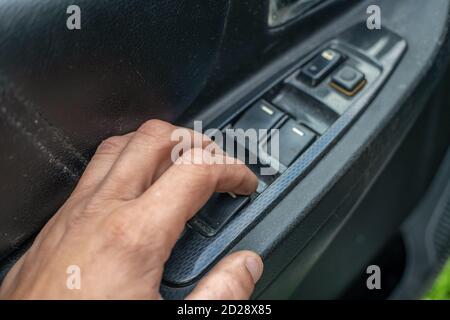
194	254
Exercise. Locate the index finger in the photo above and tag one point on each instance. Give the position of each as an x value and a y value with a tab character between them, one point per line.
186	186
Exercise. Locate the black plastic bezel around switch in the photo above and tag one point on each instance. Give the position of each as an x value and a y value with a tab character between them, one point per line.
328	96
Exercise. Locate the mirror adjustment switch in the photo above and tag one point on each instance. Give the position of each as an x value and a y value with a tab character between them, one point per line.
348	81
320	67
262	115
294	139
216	213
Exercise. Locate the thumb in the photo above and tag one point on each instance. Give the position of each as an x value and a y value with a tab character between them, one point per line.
233	278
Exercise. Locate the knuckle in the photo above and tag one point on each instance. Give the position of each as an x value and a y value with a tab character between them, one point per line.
196	156
198	161
111	145
153	134
155	128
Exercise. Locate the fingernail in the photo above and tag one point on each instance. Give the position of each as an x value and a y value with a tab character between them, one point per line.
255	267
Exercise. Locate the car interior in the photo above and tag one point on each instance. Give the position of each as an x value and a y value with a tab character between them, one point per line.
362	114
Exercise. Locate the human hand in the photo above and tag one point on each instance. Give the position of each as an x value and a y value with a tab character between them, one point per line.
123	219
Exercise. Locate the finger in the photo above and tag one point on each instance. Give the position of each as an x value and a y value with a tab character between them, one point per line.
147	155
233	278
185	187
102	161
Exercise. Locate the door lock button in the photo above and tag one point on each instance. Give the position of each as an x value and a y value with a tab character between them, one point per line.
348	81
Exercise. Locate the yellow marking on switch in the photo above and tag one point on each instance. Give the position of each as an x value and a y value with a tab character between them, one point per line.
267	110
358	88
232	195
298	131
328	54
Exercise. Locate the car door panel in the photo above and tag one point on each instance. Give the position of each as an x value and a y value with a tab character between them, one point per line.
63	92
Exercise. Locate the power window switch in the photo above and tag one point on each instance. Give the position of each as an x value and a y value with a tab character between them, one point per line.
261	115
246	149
320	67
348	81
293	140
217	212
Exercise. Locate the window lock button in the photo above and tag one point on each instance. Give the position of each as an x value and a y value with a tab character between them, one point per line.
348	81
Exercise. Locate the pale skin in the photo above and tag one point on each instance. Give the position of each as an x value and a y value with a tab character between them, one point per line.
124	217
